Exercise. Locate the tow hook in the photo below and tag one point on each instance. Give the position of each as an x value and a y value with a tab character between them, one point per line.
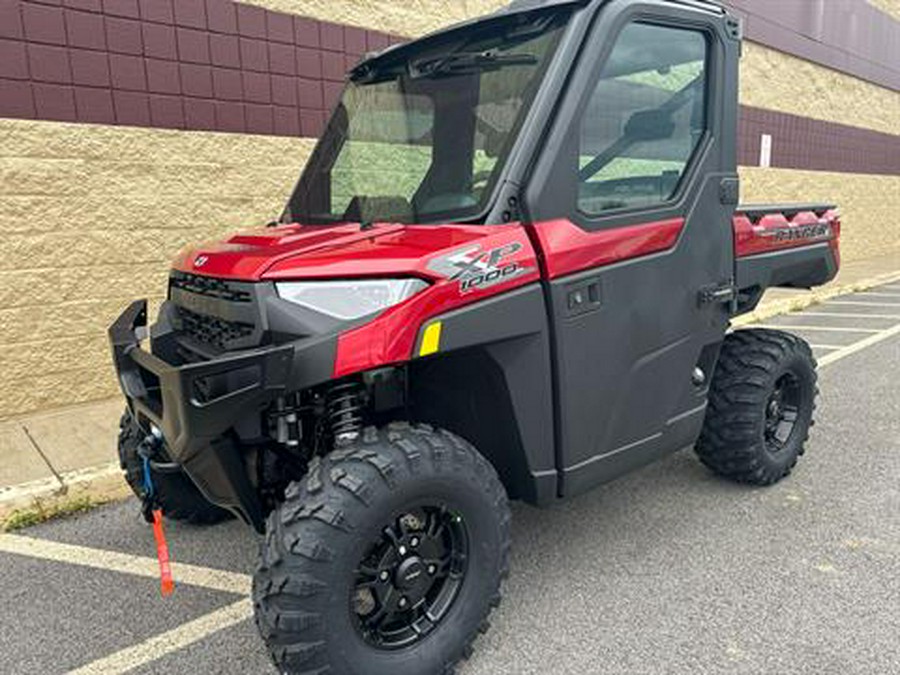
153	513
147	450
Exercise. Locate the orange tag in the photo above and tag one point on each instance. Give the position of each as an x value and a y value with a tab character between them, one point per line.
166	583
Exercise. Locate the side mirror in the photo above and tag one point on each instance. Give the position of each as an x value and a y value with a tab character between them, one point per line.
649	125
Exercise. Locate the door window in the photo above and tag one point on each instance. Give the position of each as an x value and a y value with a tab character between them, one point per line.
644	121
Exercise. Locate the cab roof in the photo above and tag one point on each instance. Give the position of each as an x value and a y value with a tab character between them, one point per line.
503	14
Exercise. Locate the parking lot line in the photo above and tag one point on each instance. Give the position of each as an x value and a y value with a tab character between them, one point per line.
170	641
857	303
850	315
831	347
114	561
830	329
844	352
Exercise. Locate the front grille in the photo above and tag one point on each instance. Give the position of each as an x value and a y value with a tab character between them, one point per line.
211	330
211	288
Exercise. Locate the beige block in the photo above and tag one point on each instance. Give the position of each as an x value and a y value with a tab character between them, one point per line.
411	17
24	360
30	214
71	319
55	285
19	461
891	7
91	217
54	390
778	81
78	437
92	142
868	204
65	178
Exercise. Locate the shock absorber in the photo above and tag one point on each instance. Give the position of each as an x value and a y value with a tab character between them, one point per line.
288	431
344	410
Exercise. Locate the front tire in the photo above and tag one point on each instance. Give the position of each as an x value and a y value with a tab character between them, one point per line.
761	406
386	559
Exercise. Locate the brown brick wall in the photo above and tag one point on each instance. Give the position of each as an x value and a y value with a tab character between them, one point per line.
193	64
814	145
851	36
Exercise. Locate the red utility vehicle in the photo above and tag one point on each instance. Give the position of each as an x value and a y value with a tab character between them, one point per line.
507	271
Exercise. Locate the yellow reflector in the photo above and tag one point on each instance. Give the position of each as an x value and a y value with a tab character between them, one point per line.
431	340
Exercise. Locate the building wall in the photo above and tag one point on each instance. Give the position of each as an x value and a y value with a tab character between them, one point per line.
891	7
129	128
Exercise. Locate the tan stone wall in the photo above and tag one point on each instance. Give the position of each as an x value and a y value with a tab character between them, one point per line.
868	204
891	7
90	218
409	17
777	81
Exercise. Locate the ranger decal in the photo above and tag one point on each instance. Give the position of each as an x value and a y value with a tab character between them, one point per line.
820	230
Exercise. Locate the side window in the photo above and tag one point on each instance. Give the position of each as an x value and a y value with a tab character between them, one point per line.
644	120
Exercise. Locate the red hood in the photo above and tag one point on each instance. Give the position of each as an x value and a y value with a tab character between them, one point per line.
464	263
323	251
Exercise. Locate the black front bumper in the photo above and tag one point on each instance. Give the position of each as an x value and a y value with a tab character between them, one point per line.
194	417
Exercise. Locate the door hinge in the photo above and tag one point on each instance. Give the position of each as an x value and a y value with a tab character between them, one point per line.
719	294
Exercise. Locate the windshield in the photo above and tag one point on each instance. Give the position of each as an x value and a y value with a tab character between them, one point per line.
423	137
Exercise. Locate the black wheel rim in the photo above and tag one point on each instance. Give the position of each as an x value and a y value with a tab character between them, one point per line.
410	577
782	412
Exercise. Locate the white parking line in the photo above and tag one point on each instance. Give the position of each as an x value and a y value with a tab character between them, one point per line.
856	303
160	645
828	359
114	561
848	315
830	329
830	347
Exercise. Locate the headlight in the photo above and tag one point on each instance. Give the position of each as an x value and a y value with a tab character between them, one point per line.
349	299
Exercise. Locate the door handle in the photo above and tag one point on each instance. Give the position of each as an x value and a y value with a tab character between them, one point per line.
583	297
718	294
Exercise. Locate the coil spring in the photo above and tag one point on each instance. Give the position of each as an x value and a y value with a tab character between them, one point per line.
345	406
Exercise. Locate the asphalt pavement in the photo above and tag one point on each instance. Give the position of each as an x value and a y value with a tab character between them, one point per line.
669	570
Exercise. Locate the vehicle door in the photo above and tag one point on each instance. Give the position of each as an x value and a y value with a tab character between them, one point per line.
630	203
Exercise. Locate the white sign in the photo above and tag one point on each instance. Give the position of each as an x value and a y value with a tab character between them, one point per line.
765	151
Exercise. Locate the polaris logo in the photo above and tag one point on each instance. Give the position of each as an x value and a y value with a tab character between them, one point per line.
201	260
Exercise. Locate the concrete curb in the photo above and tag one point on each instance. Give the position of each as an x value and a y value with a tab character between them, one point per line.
787	305
101	484
106	483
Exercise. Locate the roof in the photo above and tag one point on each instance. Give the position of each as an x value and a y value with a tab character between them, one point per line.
515	7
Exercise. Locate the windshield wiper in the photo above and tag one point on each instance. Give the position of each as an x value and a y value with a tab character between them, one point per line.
467	62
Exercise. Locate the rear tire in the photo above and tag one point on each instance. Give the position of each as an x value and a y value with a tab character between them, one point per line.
761	406
337	566
178	497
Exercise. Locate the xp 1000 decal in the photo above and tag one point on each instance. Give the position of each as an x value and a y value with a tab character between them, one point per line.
475	267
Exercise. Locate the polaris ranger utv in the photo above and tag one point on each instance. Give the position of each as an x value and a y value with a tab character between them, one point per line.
507	272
